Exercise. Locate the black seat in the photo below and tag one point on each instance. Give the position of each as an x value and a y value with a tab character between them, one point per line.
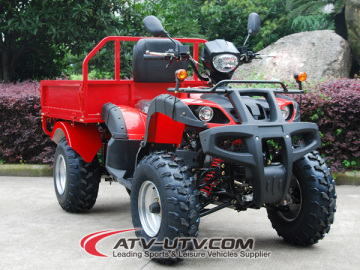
154	70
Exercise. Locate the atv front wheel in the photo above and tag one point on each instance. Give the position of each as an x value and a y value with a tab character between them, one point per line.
309	207
76	182
164	201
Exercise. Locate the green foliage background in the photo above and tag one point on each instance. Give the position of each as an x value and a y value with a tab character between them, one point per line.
49	38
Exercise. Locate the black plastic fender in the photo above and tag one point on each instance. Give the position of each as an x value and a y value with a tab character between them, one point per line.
121	152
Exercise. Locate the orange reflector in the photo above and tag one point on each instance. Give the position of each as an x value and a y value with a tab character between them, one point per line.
302	76
181	74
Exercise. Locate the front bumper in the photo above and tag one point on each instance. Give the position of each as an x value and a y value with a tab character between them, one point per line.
270	183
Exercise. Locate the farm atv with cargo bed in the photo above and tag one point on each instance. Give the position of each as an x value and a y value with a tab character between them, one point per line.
187	151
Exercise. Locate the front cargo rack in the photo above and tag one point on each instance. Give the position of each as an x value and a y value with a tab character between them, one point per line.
220	87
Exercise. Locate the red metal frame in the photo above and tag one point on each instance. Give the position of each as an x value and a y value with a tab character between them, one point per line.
81	101
117	39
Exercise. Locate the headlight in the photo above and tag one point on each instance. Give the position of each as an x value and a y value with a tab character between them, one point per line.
206	113
285	110
225	62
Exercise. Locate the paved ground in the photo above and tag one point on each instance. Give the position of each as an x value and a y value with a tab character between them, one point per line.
35	233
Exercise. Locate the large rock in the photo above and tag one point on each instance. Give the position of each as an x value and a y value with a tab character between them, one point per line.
318	53
352	17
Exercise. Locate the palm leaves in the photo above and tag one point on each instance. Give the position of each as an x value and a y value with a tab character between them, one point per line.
313	15
306	7
313	22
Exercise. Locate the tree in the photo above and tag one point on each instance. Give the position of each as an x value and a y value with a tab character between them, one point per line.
306	7
316	15
131	15
227	19
181	18
53	26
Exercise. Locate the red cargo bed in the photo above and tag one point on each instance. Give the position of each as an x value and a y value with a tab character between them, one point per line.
81	101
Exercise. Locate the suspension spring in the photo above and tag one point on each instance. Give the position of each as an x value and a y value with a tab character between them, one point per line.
211	177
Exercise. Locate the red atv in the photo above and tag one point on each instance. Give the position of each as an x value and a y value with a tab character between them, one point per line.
178	150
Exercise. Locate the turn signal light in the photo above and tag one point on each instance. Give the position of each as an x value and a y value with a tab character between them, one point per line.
181	74
301	76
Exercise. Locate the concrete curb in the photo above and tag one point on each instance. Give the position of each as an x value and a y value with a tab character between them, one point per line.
347	178
25	170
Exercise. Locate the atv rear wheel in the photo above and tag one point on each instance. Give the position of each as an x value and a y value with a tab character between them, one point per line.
76	182
164	201
310	204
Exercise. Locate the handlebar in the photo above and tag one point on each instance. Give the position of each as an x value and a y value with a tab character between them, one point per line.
245	57
158	56
154	57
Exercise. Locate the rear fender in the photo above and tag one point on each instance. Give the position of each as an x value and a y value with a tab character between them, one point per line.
85	139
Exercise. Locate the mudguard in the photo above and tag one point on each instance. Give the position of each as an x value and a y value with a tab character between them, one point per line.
127	128
85	139
166	120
